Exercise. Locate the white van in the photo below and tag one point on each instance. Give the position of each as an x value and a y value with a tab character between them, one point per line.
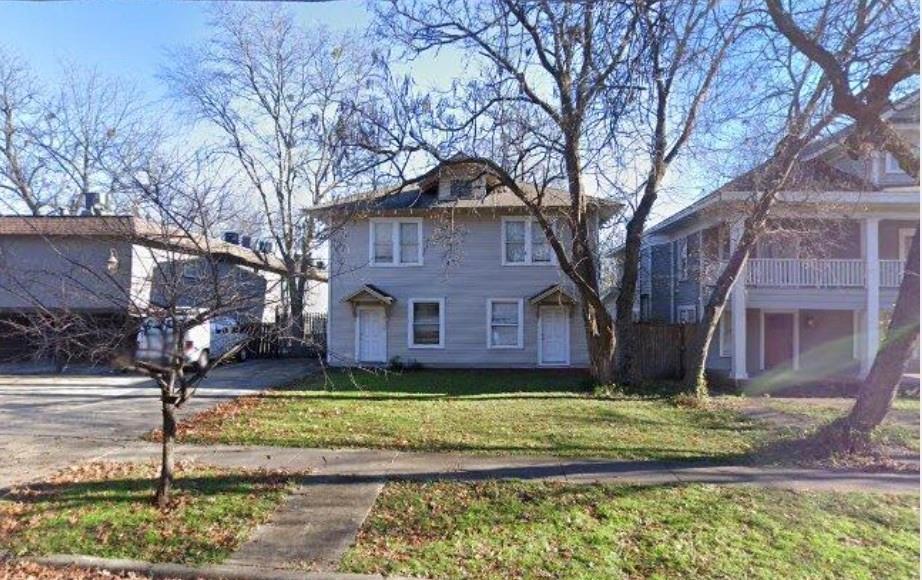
200	344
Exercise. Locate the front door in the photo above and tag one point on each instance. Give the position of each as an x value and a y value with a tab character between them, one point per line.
553	335
779	339
371	334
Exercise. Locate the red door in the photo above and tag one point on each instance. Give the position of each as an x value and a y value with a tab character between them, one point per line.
779	339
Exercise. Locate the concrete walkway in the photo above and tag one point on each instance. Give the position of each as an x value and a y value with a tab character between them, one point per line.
318	523
50	421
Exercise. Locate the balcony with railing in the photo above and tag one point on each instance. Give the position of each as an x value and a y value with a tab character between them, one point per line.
806	273
891	273
813	273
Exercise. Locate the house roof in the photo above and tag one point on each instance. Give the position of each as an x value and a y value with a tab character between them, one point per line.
369	292
806	175
139	231
423	195
553	294
810	174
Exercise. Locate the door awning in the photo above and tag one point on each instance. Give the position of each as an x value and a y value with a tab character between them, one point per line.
555	295
369	294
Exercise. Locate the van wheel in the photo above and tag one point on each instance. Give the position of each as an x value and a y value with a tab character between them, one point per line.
202	361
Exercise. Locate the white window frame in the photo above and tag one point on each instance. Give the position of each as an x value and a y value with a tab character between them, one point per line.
413	301
520	334
395	242
726	328
530	223
891	166
685	308
683	262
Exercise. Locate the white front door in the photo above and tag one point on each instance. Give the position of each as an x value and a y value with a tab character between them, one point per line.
371	334
554	335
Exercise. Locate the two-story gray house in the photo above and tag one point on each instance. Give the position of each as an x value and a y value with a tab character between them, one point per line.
815	295
451	272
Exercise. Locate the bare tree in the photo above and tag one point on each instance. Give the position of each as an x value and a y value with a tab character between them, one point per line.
552	81
278	99
861	43
688	46
21	160
58	150
865	101
166	279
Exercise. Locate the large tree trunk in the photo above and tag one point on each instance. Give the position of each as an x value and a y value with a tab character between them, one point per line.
624	304
600	342
165	485
296	302
880	386
769	183
600	331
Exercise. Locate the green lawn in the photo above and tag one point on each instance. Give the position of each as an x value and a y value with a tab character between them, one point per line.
518	530
900	428
106	510
479	412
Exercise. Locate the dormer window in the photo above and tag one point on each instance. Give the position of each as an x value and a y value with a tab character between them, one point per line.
462	188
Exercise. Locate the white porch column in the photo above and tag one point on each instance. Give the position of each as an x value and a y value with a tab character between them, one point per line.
738	310
872	294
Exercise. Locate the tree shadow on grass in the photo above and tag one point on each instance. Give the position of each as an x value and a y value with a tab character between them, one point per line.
68	494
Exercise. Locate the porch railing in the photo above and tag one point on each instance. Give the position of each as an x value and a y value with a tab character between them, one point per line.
891	273
805	272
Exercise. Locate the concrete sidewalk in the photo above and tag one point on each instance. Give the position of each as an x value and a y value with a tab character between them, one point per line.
317	524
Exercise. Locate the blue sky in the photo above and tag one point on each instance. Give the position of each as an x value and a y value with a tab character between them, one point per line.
128	38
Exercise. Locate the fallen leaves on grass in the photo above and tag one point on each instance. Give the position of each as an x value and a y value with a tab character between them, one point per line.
207	424
26	570
106	509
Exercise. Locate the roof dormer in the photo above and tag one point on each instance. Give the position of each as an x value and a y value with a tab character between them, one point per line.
466	181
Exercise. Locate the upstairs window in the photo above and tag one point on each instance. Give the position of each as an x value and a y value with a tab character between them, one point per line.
396	242
524	243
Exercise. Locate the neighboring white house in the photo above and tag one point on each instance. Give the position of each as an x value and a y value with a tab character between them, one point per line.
818	289
452	273
107	267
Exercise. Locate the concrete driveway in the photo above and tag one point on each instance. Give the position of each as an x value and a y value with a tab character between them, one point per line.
48	421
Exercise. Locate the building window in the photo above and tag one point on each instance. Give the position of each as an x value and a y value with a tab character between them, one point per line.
426	323
396	242
891	165
646	309
524	242
726	334
682	252
504	323
462	188
688	314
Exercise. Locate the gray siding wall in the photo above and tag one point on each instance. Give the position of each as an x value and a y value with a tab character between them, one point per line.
62	272
661	282
686	291
475	275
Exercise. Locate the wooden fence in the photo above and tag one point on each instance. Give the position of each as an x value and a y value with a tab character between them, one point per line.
661	349
271	341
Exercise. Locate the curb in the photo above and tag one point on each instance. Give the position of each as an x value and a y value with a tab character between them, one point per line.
167	570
